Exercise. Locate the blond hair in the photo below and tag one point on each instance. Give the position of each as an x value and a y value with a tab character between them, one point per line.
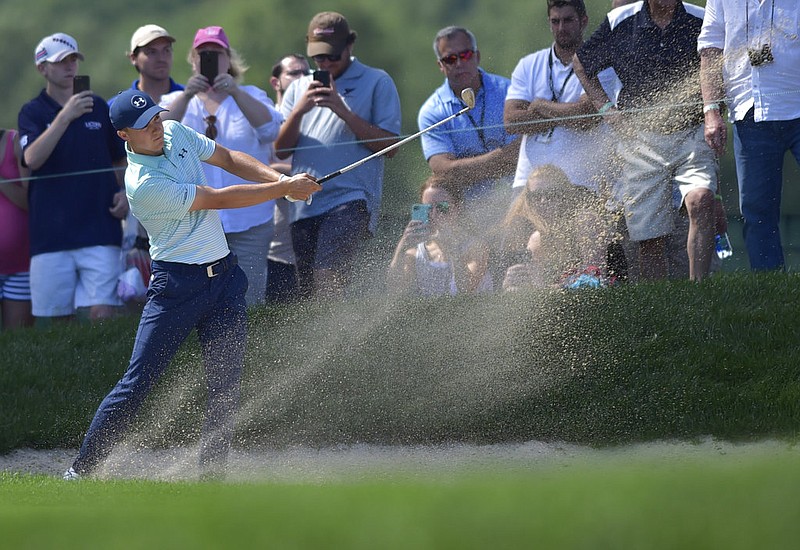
238	65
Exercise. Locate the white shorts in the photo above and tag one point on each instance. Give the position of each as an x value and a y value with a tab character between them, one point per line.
653	163
63	281
16	287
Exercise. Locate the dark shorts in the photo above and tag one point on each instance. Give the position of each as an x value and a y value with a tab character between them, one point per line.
330	241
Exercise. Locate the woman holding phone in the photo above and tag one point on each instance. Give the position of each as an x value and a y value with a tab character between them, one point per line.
437	255
241	117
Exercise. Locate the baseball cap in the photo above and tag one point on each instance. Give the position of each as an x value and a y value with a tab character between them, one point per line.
55	48
133	109
212	35
328	34
146	34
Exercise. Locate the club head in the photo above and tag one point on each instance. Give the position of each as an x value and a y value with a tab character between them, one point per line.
468	97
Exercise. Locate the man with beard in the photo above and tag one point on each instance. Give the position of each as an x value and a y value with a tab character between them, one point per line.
546	104
652	47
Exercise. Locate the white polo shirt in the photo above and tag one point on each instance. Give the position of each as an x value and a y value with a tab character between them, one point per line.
538	76
770	88
162	188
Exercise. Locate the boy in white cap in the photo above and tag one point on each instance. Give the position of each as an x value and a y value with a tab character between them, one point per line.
76	200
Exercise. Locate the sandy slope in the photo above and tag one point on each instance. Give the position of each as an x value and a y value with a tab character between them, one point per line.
307	465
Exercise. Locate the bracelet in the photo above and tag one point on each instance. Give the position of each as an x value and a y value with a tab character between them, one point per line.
283	177
711	107
602	110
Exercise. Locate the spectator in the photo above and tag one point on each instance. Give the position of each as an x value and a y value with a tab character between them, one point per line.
565	228
473	150
651	47
438	257
282	271
327	128
15	288
151	55
750	60
546	104
242	118
286	70
196	281
75	227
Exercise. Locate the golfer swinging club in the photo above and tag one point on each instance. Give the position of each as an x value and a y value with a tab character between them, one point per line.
195	280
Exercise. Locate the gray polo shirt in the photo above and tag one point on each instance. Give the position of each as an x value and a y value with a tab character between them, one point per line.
327	144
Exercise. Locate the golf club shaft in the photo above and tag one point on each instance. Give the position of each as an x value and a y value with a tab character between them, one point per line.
391	147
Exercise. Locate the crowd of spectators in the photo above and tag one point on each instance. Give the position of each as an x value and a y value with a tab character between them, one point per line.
595	162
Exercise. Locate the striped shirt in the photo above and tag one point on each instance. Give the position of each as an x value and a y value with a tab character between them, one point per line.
161	190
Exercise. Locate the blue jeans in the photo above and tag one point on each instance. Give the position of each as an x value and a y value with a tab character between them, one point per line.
181	297
759	148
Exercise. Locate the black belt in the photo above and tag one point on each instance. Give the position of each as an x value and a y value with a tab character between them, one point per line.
211	269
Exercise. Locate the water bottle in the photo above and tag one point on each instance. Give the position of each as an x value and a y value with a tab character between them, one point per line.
723	246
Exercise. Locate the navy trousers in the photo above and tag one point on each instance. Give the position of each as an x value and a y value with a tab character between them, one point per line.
181	297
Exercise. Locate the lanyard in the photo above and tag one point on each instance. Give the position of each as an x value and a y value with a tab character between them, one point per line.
479	128
556	96
747	23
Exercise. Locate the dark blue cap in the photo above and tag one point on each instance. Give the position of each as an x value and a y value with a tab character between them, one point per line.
133	109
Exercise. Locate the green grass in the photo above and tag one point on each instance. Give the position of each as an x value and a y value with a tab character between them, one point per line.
742	500
673	360
632	364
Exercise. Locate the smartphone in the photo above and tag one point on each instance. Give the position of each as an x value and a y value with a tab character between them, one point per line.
421	212
80	83
323	76
209	65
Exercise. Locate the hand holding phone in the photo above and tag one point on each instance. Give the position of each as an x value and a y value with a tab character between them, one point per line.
324	77
421	212
209	64
80	83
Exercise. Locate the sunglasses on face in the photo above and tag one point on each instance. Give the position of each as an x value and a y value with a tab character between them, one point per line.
441	207
323	57
548	196
453	58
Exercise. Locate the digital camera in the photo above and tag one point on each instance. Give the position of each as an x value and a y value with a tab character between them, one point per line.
760	57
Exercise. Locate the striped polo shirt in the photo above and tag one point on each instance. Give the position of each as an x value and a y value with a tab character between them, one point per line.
161	190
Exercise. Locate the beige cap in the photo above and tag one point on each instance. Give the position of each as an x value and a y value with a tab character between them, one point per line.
146	34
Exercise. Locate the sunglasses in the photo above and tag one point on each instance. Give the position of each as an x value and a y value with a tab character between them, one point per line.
441	207
453	58
211	128
323	57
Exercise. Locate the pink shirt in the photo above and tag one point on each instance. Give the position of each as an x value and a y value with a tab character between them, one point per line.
14	243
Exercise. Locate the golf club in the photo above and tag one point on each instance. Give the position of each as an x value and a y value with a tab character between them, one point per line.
467	96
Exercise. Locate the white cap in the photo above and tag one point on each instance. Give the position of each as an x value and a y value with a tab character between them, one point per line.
55	48
146	34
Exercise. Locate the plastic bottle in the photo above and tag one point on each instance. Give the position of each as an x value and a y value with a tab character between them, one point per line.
723	246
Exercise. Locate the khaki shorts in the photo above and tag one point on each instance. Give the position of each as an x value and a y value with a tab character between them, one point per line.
652	163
